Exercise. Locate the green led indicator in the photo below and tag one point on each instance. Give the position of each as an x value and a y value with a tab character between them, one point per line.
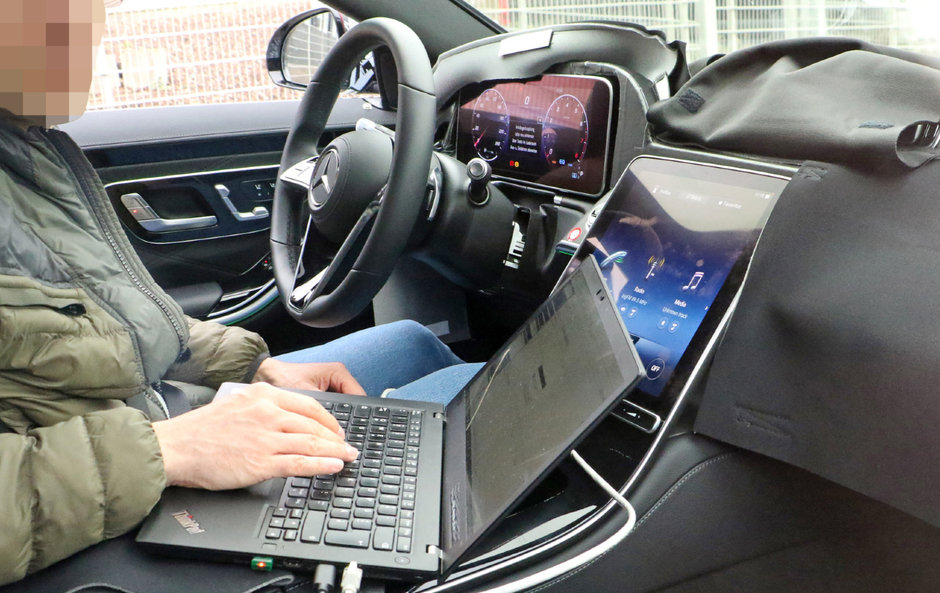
262	563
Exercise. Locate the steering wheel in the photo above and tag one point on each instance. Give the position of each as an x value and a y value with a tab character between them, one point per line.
353	196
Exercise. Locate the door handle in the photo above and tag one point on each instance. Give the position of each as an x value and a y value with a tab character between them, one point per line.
146	217
257	213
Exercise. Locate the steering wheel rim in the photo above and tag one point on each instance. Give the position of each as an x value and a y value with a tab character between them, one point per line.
401	199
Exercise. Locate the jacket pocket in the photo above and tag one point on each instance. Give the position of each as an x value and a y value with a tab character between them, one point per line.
66	343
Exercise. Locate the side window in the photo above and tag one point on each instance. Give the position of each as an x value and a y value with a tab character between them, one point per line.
181	52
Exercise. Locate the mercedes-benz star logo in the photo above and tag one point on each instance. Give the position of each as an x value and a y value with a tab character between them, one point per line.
324	178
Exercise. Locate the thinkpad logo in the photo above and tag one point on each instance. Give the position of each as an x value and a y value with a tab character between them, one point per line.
188	523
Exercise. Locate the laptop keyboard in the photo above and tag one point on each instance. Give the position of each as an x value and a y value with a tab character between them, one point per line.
371	502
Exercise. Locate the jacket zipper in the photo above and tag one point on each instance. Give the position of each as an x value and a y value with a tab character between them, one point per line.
79	165
155	396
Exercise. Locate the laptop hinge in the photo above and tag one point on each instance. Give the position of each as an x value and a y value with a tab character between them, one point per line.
435	551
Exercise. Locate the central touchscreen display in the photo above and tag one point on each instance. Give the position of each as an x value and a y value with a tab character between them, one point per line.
674	238
552	131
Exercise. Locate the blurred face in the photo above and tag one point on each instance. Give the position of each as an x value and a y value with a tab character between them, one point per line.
47	49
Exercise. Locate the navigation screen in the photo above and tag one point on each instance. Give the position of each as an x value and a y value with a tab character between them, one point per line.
552	131
667	242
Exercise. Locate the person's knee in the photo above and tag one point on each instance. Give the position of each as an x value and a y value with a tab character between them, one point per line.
408	330
416	339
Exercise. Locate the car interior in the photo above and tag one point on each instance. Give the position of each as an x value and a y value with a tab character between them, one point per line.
486	166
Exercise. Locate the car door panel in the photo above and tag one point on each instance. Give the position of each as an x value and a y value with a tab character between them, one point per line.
196	206
193	188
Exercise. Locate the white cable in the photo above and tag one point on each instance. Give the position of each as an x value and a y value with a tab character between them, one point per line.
595	552
605	486
352	579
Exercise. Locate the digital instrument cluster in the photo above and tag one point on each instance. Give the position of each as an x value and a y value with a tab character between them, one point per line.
553	131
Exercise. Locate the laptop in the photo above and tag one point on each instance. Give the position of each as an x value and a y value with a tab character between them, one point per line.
431	480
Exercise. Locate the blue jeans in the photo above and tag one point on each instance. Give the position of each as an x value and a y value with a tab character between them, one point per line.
403	355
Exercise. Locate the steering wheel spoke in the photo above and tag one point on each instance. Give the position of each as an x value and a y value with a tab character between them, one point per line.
300	292
299	175
347	255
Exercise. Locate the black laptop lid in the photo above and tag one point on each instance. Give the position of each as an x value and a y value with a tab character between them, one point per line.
558	375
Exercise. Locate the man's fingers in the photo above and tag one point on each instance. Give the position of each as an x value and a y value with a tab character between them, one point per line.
308	407
291	422
310	446
342	381
301	465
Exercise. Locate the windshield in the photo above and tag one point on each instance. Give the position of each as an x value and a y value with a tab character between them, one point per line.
720	26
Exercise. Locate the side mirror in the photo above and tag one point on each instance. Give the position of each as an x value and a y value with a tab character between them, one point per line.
298	46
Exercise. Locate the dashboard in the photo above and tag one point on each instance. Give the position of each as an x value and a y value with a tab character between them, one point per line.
672	230
672	234
552	131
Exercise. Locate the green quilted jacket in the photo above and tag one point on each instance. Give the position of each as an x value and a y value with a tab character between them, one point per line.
83	330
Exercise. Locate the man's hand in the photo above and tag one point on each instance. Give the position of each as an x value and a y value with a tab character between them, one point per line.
326	376
255	434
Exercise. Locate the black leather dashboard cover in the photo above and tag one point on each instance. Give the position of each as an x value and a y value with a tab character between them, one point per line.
832	359
830	99
644	52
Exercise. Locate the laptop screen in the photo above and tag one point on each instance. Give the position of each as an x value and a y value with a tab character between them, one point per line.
555	378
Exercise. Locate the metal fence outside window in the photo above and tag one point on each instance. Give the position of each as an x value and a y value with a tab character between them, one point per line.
197	51
720	26
171	52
